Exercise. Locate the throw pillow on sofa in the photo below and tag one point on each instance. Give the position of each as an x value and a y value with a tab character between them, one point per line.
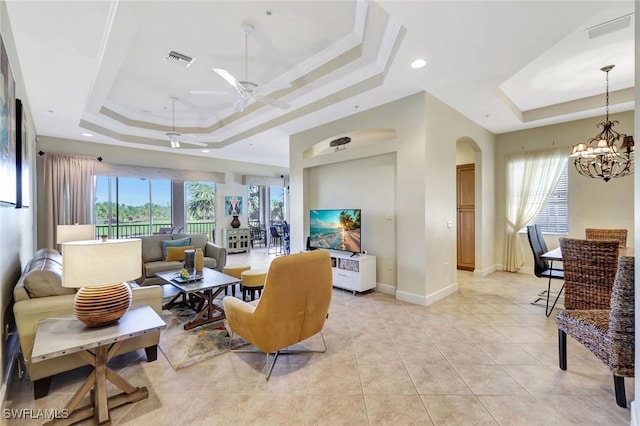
174	243
176	253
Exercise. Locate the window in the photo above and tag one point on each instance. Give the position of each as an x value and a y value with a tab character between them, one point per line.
127	207
554	217
200	207
277	212
253	204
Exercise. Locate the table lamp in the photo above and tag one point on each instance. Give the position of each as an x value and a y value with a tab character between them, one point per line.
66	233
100	270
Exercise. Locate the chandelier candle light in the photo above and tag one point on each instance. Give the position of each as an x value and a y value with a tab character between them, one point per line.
600	157
100	271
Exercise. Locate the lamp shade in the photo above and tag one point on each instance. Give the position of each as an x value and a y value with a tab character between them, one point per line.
96	263
66	233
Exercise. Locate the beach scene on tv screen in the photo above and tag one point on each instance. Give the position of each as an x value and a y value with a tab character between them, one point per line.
335	229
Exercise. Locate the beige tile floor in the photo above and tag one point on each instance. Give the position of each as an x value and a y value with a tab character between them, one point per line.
481	356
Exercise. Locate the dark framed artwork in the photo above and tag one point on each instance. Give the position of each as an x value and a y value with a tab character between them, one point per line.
23	183
8	193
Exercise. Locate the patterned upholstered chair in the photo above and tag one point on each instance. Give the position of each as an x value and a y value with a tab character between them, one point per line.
609	333
589	271
619	235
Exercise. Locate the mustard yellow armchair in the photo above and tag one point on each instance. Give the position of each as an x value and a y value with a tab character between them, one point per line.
293	307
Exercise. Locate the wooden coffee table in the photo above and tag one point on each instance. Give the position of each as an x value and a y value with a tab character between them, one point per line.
199	295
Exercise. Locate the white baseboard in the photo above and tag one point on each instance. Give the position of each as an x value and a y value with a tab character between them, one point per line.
484	272
386	289
441	294
635	413
429	299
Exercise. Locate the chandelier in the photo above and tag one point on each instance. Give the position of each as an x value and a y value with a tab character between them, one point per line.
600	157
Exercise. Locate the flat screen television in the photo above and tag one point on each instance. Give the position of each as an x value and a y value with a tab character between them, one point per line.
336	229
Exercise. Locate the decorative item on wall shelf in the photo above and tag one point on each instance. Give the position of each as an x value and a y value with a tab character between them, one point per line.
235	223
600	157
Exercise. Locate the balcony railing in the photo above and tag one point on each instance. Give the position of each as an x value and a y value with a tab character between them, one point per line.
136	230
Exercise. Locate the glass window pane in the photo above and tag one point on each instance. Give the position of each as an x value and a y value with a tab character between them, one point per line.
200	207
253	203
276	204
554	217
161	207
134	213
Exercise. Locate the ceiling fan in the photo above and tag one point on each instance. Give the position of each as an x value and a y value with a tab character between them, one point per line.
247	89
175	138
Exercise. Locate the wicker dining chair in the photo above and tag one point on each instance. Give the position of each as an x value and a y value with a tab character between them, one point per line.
619	235
589	271
608	334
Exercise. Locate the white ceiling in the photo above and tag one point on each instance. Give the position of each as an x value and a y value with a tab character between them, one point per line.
98	66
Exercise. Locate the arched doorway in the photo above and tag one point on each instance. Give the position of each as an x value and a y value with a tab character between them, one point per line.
467	183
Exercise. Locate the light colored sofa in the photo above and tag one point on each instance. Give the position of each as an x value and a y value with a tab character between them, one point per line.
215	257
39	295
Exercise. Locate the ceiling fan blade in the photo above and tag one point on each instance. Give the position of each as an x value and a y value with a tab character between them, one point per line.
273	102
273	86
188	142
229	79
210	92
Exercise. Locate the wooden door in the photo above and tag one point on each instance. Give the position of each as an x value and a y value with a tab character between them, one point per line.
466	195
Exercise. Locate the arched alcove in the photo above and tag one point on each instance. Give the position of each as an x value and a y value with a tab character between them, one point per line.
469	155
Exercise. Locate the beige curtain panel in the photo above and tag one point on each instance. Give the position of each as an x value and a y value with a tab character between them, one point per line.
69	192
531	178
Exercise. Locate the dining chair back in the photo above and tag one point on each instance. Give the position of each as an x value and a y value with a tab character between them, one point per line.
275	240
608	334
619	235
589	271
543	268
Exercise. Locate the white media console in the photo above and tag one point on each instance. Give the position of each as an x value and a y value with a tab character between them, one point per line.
355	273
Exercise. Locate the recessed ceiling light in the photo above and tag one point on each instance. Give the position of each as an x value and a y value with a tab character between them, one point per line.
87	134
418	63
205	150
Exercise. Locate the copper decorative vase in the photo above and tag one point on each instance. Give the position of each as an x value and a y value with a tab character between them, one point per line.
235	223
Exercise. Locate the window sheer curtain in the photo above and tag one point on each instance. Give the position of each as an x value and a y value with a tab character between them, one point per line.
530	179
69	192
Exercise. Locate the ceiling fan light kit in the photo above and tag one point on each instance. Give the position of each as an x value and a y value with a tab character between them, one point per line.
173	135
247	89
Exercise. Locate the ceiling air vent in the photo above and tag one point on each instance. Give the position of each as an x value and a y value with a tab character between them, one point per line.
178	58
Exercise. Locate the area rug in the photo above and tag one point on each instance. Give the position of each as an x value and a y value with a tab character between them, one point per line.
183	348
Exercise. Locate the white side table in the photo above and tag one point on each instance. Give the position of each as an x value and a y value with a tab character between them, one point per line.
61	336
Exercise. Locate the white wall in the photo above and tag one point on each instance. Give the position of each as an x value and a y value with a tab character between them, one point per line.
348	185
592	202
464	153
233	170
425	155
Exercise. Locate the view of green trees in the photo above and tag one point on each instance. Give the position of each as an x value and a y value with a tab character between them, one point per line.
253	202
200	201
130	214
349	222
